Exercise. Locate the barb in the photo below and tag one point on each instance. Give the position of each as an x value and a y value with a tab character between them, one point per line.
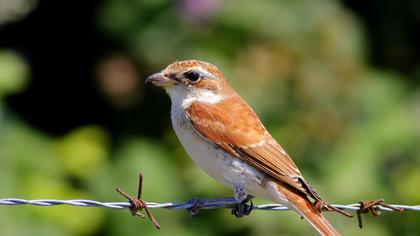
170	205
137	204
373	207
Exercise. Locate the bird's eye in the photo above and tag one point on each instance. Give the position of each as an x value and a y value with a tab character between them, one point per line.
193	76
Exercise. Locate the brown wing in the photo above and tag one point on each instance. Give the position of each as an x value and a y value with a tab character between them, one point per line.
233	126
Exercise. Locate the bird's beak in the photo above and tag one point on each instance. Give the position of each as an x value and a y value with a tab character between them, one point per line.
160	80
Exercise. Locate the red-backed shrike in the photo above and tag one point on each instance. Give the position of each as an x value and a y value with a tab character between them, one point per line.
224	136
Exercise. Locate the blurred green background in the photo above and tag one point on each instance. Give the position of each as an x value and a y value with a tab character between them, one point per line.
335	82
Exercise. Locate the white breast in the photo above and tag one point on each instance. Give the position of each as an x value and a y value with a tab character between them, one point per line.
215	161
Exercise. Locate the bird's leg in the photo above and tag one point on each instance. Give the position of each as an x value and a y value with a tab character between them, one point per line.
242	197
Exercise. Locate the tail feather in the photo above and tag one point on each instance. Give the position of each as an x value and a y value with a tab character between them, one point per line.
306	209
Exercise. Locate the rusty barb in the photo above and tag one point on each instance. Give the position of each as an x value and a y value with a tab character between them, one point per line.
373	206
322	206
137	204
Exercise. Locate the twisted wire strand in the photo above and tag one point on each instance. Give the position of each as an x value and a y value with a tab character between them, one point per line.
170	205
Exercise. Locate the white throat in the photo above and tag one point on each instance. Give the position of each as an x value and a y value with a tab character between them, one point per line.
183	97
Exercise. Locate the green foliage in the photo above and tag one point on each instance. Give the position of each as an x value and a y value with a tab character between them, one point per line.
13	73
353	130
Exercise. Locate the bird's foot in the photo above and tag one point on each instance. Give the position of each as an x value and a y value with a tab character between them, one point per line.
242	209
197	204
238	203
242	198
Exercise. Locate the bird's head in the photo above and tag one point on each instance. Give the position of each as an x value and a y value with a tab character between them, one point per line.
192	80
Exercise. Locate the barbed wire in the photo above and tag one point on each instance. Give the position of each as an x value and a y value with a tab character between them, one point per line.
135	205
186	205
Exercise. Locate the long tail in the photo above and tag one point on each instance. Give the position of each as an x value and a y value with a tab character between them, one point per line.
306	209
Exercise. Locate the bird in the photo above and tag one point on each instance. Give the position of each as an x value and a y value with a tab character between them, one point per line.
225	137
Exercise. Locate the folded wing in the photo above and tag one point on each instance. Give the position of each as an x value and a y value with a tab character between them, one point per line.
233	126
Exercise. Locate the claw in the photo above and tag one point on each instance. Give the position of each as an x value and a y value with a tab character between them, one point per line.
242	209
196	206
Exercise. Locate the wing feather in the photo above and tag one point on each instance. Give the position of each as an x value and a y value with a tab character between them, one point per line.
234	127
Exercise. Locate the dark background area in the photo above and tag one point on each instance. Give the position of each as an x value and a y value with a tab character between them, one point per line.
393	32
63	36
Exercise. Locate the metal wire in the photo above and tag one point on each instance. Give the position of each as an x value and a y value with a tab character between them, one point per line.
169	205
